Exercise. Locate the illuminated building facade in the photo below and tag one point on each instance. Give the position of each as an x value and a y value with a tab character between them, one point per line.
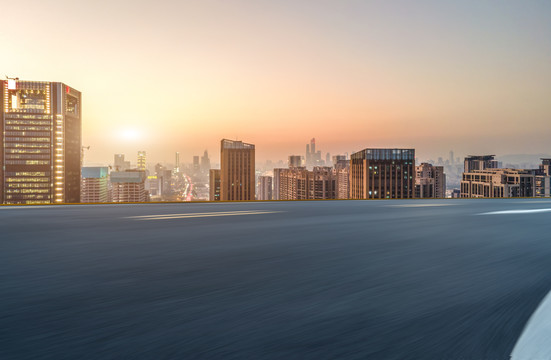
40	149
237	167
141	160
214	184
382	174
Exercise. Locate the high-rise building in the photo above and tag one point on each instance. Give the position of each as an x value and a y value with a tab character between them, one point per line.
480	162
276	181
295	161
237	170
40	148
430	181
141	160
214	184
313	157
120	164
205	162
128	186
343	179
299	183
382	174
94	188
176	169
264	188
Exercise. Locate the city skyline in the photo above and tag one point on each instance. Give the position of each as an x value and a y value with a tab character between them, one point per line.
179	76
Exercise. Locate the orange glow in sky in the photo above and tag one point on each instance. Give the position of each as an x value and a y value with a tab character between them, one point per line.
169	76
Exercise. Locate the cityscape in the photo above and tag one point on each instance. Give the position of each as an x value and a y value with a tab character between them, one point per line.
290	179
43	163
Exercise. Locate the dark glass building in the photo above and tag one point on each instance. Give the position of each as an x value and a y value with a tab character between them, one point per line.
40	150
382	174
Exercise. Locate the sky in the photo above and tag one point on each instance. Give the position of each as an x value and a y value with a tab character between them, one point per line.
165	76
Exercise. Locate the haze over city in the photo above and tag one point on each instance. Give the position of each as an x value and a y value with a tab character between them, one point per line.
166	76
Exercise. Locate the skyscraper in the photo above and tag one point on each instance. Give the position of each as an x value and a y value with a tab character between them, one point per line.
40	129
141	160
237	167
264	188
94	184
214	184
382	174
205	162
176	169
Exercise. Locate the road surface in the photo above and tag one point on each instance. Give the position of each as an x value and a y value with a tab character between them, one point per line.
440	279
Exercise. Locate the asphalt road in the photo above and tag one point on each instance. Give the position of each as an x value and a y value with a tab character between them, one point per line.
272	280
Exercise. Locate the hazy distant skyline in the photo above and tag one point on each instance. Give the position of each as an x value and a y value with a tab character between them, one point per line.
167	76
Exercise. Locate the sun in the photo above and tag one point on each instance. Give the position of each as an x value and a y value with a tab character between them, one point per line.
130	134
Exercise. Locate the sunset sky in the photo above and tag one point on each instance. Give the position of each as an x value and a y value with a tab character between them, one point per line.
166	76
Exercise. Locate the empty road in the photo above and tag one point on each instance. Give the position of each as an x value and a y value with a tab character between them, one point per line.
435	279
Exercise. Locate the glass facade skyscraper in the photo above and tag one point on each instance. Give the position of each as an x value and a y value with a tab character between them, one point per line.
41	142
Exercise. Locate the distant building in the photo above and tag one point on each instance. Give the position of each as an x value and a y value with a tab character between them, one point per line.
456	193
40	142
382	174
214	185
301	184
153	185
196	165
128	186
120	164
313	157
430	181
264	188
176	169
237	170
205	162
295	161
543	179
141	160
94	188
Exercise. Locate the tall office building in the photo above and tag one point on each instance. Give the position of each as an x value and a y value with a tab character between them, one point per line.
299	183
264	188
128	186
382	174
214	184
141	160
94	188
40	149
430	181
237	167
196	165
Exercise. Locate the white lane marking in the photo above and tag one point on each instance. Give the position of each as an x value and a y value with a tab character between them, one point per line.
198	215
508	212
420	205
534	342
202	213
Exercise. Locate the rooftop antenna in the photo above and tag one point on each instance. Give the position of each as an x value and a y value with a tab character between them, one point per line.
10	78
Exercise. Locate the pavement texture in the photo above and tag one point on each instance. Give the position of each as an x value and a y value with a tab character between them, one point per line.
431	279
